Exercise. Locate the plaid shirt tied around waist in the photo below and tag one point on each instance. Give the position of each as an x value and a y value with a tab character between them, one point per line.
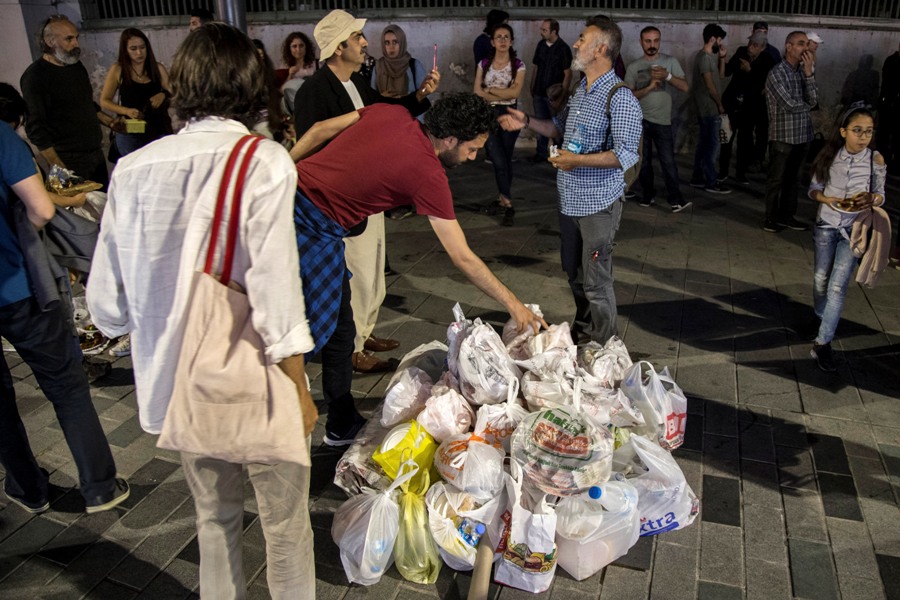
321	244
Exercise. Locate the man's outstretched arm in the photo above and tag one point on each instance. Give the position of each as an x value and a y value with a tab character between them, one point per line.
320	133
454	242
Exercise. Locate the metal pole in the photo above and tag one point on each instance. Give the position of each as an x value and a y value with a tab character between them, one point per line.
233	12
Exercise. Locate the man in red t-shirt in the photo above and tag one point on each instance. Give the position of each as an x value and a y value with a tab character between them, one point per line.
381	159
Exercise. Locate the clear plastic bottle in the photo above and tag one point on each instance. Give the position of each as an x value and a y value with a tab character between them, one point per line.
576	142
470	531
610	496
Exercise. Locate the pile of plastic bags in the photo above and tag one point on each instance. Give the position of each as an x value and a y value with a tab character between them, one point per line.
550	453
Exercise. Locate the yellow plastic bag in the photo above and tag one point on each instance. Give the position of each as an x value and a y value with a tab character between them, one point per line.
408	441
415	553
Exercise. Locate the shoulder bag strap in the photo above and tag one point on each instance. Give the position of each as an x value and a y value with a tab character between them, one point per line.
235	217
609	98
871	170
220	202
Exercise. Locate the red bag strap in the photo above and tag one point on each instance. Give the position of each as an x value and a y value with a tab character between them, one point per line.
235	206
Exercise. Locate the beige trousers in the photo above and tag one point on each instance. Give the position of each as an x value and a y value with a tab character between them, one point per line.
365	260
282	493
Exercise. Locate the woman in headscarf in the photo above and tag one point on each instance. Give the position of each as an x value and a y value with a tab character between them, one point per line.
396	73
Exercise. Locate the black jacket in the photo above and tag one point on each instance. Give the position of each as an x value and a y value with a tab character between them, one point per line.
322	96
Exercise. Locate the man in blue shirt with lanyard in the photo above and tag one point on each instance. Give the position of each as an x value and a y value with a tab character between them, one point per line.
595	153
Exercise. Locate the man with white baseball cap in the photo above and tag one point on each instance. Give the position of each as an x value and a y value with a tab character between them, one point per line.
332	91
814	40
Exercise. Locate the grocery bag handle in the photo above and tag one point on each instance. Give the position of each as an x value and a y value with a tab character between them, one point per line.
404	476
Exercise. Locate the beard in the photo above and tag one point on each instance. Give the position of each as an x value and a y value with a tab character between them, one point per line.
449	159
67	58
651	51
578	63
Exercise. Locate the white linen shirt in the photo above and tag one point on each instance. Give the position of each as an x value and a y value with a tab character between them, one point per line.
154	236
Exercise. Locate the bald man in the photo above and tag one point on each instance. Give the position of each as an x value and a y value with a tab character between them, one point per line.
63	119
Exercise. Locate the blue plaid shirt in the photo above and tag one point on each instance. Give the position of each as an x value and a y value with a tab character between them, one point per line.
585	191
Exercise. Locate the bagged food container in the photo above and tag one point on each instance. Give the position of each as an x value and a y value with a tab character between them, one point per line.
486	371
447	528
596	528
471	465
408	441
446	415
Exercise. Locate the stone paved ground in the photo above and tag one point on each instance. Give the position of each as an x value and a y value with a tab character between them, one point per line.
799	471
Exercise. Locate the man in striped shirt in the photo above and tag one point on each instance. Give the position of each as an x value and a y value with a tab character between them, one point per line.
790	94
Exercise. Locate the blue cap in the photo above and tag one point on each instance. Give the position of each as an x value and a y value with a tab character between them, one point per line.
595	492
479	529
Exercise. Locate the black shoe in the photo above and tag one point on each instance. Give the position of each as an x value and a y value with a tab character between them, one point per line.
824	357
629	195
401	212
698	184
741	179
722	179
509	217
336	440
493	208
793	223
677	208
119	495
718	189
647	201
34	508
771	226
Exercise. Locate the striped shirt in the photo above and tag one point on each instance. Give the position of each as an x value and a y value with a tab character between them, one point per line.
586	190
789	97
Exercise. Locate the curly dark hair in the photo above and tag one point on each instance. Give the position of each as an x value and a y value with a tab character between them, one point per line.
462	115
309	55
218	73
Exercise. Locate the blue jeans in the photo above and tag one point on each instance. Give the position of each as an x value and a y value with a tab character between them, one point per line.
500	146
586	255
48	346
542	111
661	137
707	151
835	264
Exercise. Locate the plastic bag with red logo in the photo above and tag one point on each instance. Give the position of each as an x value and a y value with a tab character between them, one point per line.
527	547
660	400
495	423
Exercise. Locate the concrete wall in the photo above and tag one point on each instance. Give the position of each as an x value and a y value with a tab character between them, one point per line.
837	57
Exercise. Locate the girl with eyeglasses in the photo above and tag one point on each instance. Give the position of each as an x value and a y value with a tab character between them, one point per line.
848	178
499	80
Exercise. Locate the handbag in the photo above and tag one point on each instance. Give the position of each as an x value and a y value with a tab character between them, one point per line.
228	401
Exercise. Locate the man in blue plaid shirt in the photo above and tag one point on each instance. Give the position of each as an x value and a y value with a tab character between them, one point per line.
791	93
591	184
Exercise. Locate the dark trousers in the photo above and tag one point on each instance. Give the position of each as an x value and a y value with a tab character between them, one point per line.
785	162
751	127
500	146
661	137
45	343
337	368
707	151
542	111
586	255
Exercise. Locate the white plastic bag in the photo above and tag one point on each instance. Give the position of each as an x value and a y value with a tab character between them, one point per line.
495	423
356	470
608	362
665	500
606	405
510	334
528	547
545	393
486	371
661	401
562	451
446	415
591	533
456	333
471	465
442	519
406	396
365	528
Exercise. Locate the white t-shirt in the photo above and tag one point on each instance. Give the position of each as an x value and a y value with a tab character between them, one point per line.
355	98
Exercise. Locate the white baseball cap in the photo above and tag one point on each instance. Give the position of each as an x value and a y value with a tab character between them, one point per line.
814	37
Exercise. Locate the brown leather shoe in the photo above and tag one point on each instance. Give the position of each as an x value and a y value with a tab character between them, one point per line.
374	344
366	362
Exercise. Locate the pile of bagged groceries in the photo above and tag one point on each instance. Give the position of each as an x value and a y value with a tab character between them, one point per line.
551	453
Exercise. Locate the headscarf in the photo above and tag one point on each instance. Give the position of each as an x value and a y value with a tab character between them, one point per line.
392	74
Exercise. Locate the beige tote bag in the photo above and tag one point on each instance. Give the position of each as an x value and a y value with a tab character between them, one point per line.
229	402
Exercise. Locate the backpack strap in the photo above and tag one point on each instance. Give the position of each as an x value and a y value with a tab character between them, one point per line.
609	98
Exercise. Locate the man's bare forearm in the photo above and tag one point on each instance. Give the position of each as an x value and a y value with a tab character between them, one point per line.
52	157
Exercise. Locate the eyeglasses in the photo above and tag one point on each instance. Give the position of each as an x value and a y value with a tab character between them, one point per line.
860	132
502	38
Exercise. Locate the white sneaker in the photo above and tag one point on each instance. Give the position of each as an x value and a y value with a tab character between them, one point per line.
122	347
